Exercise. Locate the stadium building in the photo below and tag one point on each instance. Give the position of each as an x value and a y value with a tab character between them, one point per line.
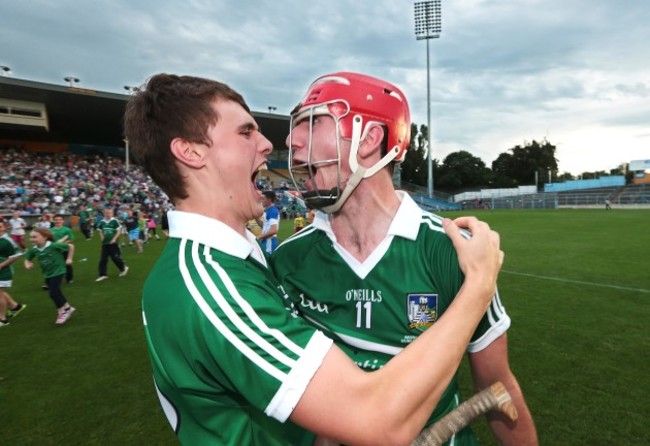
39	117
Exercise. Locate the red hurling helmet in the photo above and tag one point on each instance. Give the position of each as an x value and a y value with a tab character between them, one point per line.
374	99
356	102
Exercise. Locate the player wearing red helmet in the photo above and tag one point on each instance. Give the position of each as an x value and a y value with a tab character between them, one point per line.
374	270
356	103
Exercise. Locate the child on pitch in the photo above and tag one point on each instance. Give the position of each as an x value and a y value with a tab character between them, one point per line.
8	254
48	253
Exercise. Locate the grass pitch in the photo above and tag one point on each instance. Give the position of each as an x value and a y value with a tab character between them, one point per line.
575	283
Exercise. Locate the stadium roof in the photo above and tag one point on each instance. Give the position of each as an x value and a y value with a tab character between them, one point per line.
81	116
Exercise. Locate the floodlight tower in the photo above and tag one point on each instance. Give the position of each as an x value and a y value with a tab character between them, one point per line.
428	25
130	90
71	80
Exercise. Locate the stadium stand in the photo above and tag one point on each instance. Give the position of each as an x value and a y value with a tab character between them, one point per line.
46	183
634	194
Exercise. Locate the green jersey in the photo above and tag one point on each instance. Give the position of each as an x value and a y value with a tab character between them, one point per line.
84	216
230	356
374	308
61	232
109	228
49	257
7	250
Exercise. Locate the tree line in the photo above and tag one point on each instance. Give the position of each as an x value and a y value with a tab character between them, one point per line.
523	165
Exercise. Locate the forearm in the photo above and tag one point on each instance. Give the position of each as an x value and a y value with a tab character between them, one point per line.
521	432
7	262
70	253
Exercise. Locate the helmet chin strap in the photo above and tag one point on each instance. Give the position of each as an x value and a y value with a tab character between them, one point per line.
358	172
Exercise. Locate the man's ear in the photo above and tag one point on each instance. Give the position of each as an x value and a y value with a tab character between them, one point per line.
372	142
189	153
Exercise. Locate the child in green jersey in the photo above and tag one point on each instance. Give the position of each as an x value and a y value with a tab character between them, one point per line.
63	234
8	255
48	253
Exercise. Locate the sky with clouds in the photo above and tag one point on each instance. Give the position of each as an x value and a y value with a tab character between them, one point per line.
503	72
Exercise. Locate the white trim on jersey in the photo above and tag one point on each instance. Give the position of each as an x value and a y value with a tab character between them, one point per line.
495	310
214	233
248	310
356	342
302	233
292	389
362	269
496	329
167	407
240	345
302	368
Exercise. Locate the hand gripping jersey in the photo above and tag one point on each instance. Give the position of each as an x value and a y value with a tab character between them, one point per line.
374	309
229	361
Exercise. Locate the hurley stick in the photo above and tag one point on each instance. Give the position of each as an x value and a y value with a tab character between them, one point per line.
494	397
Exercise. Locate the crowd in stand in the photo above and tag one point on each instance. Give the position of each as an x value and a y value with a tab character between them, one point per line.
37	183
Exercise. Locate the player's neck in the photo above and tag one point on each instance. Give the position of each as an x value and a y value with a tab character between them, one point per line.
363	222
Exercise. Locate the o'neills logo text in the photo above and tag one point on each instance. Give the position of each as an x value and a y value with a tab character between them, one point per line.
363	295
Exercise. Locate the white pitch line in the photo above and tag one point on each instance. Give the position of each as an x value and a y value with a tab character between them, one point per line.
558	279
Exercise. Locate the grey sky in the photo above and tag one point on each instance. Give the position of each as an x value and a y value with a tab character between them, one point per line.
504	72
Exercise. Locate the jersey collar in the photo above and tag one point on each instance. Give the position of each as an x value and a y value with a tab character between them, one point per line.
213	233
405	224
47	244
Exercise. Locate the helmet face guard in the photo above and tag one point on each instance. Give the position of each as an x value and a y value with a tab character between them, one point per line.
356	103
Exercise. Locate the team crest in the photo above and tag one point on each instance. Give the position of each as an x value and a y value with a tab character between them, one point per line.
422	310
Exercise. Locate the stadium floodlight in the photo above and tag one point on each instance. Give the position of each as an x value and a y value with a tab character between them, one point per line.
126	158
131	89
71	80
5	70
428	25
272	108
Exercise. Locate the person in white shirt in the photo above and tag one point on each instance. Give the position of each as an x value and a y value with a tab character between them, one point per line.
17	232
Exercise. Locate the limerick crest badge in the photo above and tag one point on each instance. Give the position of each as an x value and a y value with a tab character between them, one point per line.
422	310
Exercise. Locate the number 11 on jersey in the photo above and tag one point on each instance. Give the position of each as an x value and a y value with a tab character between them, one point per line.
364	307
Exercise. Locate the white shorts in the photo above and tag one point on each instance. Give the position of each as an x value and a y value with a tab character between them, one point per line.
5	283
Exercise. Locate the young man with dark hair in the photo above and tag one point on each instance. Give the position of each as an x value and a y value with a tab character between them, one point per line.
232	362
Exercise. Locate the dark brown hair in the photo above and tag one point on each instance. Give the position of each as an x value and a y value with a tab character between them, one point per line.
169	107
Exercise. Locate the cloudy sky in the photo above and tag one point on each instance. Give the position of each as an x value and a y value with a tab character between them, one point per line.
503	73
